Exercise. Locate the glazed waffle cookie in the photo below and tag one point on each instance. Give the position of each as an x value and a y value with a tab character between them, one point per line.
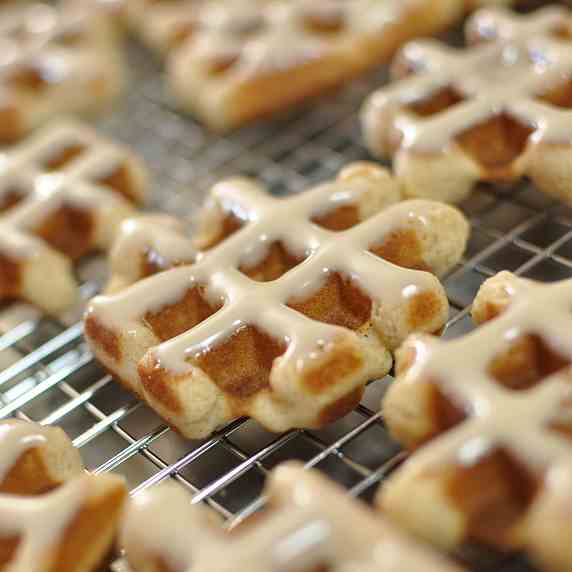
232	62
493	112
309	524
52	517
63	193
69	64
290	308
502	471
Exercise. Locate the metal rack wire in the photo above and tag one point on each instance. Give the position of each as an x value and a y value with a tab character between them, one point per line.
50	377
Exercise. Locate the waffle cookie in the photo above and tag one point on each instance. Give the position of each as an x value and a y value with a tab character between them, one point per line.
232	62
309	524
290	307
494	408
496	111
63	194
68	64
52	517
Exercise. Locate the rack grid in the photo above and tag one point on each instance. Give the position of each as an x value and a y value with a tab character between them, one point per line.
48	375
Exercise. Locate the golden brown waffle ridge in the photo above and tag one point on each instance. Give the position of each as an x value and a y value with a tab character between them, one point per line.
281	309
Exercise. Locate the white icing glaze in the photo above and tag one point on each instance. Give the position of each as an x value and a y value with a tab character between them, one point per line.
39	521
285	42
17	437
521	58
259	39
161	233
310	523
273	34
516	420
43	194
264	304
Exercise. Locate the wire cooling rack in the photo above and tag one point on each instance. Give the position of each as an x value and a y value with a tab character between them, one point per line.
48	375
